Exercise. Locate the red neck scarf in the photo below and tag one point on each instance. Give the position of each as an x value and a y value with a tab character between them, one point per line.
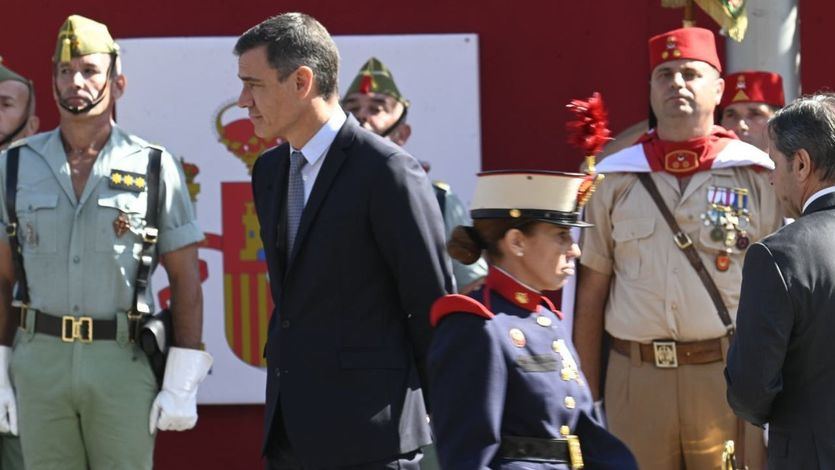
683	159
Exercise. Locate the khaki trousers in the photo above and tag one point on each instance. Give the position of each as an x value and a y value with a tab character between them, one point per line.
83	406
674	418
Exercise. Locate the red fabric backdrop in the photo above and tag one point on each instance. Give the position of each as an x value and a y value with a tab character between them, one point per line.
534	59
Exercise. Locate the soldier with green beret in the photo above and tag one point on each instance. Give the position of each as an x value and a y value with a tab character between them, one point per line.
17	107
86	397
375	100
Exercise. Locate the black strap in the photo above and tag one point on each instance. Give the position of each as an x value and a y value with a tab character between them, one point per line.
534	449
142	295
684	243
440	195
21	297
62	327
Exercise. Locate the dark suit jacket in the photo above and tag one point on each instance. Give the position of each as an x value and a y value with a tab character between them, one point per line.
781	364
350	330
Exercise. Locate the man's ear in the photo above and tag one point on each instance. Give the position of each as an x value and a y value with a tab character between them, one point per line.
120	83
303	80
720	89
32	125
802	164
401	134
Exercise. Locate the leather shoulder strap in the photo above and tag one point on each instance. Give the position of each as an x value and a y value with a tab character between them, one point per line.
21	297
457	303
141	298
684	243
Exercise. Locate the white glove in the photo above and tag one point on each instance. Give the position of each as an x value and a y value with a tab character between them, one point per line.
598	413
8	406
175	408
765	435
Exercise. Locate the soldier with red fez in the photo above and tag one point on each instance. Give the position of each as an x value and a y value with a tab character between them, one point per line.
661	272
749	101
506	388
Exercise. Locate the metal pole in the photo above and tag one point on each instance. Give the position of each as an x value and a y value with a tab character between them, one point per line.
772	43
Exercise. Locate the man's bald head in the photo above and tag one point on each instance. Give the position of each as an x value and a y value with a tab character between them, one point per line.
17	111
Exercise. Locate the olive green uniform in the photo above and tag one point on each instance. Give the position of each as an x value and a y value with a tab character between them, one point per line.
86	405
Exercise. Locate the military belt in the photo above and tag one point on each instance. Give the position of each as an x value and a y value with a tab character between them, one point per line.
535	449
667	354
72	328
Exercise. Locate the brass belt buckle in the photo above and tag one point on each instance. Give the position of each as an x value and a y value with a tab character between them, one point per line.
575	454
80	328
666	356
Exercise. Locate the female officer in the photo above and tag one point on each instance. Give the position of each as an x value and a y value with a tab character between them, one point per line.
506	389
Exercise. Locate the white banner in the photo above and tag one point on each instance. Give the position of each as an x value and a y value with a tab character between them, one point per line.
181	93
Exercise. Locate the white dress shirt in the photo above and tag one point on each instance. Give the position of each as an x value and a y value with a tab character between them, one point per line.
316	148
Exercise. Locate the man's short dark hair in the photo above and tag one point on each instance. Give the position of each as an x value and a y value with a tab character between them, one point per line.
807	123
294	40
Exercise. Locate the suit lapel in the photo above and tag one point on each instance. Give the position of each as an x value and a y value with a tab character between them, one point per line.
330	168
276	194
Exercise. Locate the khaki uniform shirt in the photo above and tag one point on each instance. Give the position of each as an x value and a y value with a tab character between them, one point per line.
75	261
655	293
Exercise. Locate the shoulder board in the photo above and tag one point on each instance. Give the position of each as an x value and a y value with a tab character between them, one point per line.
457	303
441	185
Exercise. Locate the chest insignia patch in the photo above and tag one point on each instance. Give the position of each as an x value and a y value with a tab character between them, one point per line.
30	236
538	363
127	181
121	225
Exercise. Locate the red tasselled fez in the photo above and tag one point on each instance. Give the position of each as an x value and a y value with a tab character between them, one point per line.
684	43
753	86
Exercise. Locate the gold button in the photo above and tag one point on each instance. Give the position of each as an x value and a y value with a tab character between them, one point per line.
566	374
543	321
570	403
564	430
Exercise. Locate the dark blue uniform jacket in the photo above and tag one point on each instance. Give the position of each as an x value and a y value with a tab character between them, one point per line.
502	364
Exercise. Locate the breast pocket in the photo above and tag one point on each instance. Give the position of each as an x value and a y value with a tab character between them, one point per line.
120	221
37	215
631	238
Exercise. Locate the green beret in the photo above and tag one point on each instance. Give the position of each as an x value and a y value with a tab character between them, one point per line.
80	36
9	74
375	77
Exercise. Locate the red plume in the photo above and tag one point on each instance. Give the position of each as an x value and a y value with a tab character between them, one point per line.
588	130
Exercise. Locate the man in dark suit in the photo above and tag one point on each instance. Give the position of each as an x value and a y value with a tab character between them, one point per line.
781	364
354	243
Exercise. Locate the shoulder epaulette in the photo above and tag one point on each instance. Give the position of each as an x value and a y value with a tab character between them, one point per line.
441	185
456	303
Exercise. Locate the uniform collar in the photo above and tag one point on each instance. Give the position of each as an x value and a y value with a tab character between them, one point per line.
517	293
